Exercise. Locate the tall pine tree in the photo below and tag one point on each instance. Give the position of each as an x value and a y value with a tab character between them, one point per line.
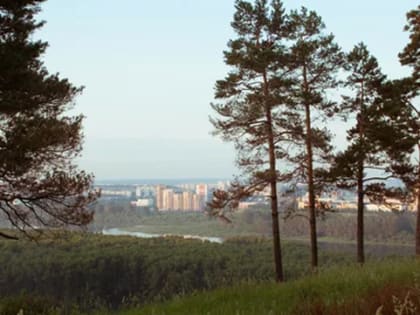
316	60
251	111
410	90
40	187
373	155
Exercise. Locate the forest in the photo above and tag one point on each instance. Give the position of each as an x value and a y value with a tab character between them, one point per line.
90	272
380	227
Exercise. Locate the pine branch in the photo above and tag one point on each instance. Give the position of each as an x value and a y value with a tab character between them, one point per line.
378	178
7	236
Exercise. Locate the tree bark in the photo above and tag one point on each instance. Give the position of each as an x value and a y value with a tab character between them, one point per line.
273	188
418	210
360	215
310	178
276	233
360	177
418	224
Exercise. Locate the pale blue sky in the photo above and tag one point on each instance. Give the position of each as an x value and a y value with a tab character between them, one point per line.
149	68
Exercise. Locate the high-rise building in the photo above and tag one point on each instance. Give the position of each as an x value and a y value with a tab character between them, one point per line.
178	202
168	199
187	200
159	196
198	202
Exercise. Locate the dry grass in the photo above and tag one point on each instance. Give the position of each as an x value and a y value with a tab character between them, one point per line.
391	299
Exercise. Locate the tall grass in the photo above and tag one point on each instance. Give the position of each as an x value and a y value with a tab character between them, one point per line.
340	289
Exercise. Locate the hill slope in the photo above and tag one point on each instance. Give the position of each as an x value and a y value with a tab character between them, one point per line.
383	288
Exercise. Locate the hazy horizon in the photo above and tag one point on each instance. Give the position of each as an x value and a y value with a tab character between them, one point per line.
157	181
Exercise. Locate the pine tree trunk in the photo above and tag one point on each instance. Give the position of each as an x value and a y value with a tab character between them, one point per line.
273	187
276	233
310	179
360	215
360	177
418	223
418	211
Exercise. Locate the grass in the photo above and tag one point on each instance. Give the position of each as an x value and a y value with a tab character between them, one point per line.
324	293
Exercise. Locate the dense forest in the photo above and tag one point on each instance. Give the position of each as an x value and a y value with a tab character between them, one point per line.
89	271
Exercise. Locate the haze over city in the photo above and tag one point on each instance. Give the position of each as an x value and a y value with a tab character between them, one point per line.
150	67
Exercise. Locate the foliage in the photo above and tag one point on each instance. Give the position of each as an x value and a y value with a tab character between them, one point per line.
39	184
411	53
94	270
409	89
115	213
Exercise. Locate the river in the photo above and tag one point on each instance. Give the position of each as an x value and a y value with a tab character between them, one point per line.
117	231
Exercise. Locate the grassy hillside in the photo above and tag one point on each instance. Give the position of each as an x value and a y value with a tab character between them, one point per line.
382	288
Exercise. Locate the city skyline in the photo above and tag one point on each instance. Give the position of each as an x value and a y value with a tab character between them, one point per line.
182	196
150	68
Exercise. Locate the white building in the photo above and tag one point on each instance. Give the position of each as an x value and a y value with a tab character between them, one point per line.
202	190
143	203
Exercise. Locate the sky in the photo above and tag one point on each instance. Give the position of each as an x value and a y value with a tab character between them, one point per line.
149	69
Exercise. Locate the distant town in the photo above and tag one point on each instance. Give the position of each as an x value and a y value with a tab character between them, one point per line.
164	197
193	196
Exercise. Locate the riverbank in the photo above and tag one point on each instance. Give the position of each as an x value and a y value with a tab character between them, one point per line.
117	232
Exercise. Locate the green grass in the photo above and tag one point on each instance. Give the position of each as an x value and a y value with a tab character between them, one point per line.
333	287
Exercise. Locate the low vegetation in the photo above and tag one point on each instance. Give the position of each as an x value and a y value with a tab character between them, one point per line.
378	288
90	272
93	271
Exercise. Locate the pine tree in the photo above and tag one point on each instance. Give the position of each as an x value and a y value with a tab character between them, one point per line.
410	89
251	111
39	185
316	60
373	155
410	55
365	78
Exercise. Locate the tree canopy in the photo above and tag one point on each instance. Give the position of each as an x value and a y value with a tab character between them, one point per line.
39	184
